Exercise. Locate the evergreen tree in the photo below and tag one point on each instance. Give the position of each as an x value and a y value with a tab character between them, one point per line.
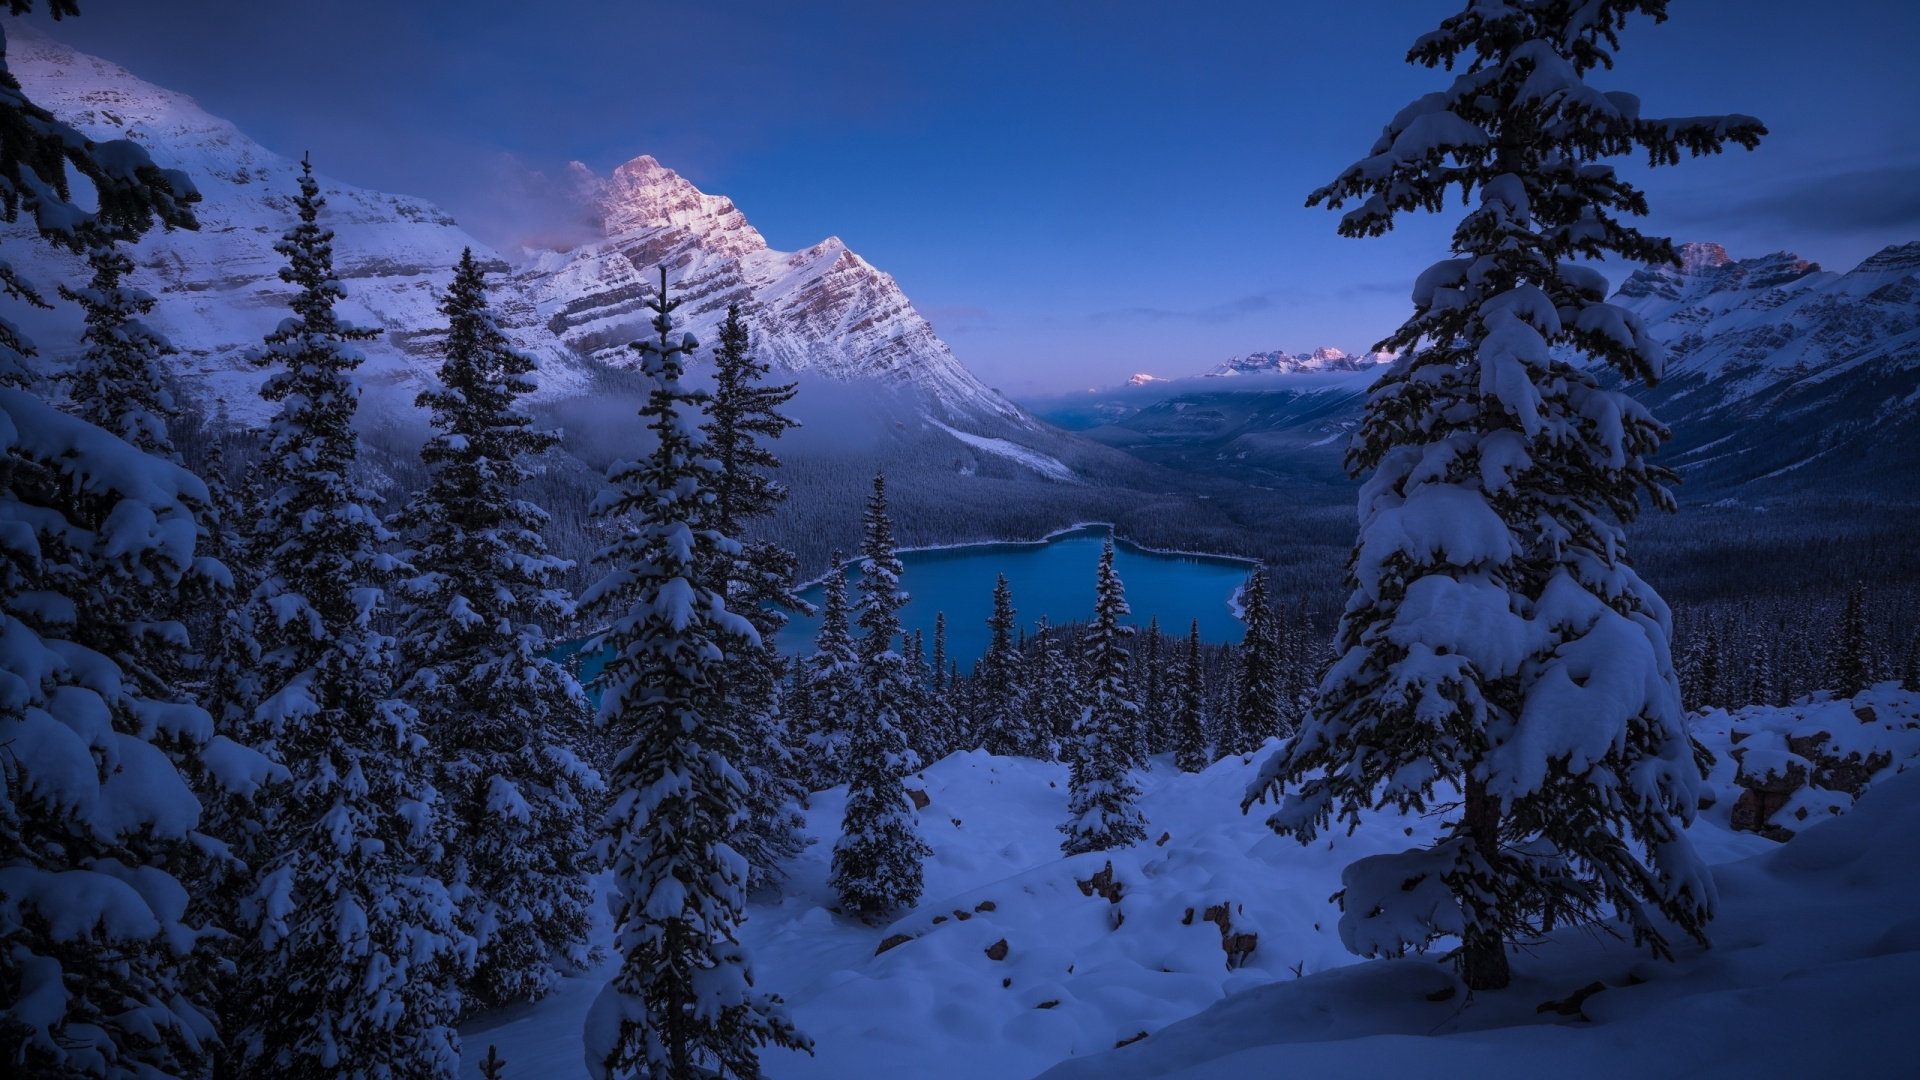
757	583
877	860
1155	734
1497	638
942	718
682	1003
119	383
1850	659
99	966
502	717
356	949
1189	718
833	683
1258	706
999	720
1101	808
1052	700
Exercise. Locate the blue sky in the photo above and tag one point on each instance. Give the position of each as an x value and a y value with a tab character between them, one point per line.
1072	192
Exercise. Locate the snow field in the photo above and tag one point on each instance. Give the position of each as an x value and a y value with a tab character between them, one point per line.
1816	935
939	1006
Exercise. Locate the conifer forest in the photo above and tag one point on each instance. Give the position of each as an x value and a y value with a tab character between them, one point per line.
575	639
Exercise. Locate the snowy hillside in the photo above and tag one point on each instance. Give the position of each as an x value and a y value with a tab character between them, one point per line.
1783	374
823	311
219	287
1017	959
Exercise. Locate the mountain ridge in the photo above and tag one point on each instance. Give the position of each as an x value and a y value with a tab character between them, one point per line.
822	311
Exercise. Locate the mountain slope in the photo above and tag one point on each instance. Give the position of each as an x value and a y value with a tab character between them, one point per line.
1782	378
823	311
219	287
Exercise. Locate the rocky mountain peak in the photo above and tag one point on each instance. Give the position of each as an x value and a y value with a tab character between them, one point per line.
1894	258
1698	256
643	195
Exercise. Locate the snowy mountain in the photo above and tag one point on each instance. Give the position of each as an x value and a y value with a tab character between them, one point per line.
823	311
1783	374
1781	377
219	287
1324	358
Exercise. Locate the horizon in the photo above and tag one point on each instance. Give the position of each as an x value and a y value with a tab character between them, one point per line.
1078	267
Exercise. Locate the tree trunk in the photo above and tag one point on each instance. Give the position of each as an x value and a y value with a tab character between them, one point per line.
1483	955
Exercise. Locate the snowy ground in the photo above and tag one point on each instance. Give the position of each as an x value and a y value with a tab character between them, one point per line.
1813	959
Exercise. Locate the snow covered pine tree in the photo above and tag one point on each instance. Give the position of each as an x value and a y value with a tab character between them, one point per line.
757	583
833	682
1101	809
98	961
351	970
1260	693
1497	638
683	1003
501	717
1190	708
999	720
877	860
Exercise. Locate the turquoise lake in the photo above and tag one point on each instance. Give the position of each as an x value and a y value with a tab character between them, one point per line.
1052	577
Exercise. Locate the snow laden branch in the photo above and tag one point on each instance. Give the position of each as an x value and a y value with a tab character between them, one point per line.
1499	658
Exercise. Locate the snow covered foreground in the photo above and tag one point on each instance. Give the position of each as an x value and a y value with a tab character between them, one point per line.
1816	959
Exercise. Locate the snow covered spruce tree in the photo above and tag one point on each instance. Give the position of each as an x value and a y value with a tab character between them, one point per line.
100	958
1100	790
999	720
1190	708
1259	690
757	583
877	860
1154	735
353	960
502	718
1052	697
1497	642
118	383
942	719
682	1004
832	683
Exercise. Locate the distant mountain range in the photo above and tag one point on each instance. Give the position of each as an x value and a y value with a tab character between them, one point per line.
1324	358
823	311
1782	377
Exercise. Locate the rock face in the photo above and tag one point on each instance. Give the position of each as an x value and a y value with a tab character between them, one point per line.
1785	768
1784	374
824	310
